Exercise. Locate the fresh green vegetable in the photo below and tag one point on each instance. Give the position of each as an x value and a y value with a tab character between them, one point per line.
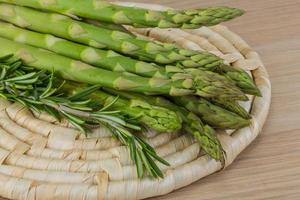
203	84
101	58
204	134
107	25
36	90
155	117
111	73
211	114
232	106
88	34
98	37
108	12
81	72
241	78
125	43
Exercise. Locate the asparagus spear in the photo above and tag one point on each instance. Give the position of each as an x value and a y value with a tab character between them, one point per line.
241	79
110	60
107	25
211	114
78	71
232	106
108	12
35	90
155	117
204	134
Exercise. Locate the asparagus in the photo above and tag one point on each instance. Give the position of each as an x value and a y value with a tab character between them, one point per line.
211	114
106	25
204	134
80	32
238	76
101	58
232	106
108	12
98	37
77	71
207	83
241	78
155	117
107	59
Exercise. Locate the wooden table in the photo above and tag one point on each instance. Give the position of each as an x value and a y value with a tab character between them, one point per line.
270	167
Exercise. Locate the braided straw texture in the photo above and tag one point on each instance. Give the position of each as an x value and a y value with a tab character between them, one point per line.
42	159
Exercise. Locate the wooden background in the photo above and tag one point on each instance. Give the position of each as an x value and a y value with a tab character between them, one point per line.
270	167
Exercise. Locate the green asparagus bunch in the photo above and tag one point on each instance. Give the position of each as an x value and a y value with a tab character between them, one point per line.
83	65
81	72
204	83
104	11
106	59
65	27
98	37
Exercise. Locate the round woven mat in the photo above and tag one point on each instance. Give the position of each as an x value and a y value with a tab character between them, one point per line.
41	158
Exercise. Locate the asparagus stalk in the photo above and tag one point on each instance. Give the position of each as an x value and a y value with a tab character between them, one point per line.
155	117
241	78
81	72
204	134
232	106
107	25
211	114
108	12
207	83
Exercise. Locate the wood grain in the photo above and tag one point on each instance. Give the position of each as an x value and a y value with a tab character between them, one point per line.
270	167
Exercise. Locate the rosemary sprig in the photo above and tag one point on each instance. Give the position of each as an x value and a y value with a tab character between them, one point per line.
40	92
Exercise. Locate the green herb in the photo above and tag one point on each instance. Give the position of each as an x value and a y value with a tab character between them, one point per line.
40	91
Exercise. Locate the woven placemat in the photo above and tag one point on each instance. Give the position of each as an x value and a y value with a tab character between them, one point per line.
41	158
